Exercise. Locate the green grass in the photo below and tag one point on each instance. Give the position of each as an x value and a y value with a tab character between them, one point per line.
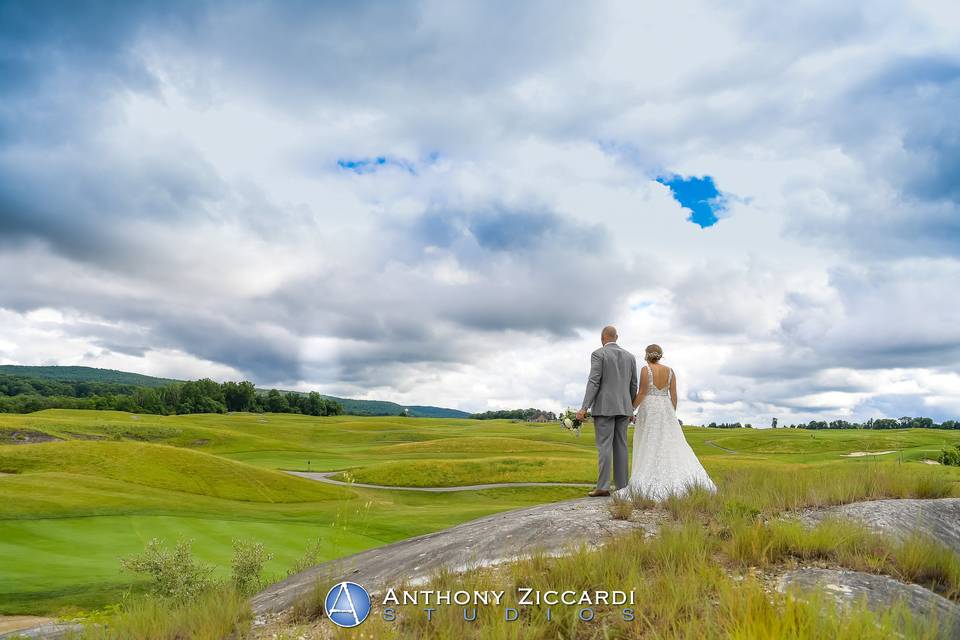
451	473
684	588
112	480
164	467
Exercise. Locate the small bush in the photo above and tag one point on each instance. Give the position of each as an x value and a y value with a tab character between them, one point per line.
247	564
950	458
176	574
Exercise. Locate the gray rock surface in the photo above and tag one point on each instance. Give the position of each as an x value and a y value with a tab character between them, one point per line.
502	537
938	519
326	476
52	631
880	593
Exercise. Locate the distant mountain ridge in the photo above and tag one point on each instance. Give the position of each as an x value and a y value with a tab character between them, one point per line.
92	374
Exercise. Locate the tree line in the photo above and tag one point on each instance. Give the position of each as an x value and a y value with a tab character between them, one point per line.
874	423
729	425
515	414
881	423
21	394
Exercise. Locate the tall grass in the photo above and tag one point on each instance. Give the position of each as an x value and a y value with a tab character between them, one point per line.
215	614
682	591
769	488
916	559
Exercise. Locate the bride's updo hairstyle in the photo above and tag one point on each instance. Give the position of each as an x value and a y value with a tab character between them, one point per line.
654	353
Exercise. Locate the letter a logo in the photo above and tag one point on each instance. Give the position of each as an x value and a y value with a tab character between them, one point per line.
347	604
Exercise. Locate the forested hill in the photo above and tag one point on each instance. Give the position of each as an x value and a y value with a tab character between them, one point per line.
37	388
84	374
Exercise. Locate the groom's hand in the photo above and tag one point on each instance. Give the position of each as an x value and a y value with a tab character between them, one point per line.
582	415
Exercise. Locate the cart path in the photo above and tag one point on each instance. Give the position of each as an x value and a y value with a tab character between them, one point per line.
714	444
326	476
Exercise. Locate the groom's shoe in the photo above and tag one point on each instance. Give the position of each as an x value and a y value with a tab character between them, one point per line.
599	493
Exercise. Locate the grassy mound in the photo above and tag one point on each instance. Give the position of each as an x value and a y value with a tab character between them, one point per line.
165	467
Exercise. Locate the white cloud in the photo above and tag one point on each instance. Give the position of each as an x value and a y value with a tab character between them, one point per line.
188	217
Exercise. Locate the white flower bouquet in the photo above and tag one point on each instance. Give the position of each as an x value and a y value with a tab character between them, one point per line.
570	422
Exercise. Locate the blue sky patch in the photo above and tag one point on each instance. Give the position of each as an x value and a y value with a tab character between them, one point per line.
699	195
371	165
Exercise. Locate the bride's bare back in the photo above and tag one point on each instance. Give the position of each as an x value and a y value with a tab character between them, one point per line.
662	376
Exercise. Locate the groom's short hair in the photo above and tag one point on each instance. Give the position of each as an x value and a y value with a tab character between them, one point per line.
609	331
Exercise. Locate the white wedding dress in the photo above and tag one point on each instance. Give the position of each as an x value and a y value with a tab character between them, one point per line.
663	462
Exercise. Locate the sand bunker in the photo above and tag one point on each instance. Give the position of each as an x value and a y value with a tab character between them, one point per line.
929	462
860	454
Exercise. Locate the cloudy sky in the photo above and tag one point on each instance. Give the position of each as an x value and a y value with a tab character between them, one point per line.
443	202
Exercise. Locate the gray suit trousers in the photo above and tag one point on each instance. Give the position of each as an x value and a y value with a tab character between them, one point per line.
612	450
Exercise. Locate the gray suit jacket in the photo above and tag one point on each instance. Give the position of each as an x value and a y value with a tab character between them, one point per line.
613	381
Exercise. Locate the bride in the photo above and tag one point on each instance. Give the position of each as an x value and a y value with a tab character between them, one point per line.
663	462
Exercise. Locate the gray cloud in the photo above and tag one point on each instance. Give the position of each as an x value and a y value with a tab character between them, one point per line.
84	200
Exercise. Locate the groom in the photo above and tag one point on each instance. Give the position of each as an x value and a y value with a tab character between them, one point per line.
611	387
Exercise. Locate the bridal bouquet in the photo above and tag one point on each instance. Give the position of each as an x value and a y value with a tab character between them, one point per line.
569	421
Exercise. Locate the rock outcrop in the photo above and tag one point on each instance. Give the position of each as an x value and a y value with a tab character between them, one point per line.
495	539
939	519
880	594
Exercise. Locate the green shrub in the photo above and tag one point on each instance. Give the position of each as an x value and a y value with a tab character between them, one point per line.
247	564
951	458
176	574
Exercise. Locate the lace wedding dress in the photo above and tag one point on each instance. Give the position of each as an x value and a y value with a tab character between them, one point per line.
663	462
